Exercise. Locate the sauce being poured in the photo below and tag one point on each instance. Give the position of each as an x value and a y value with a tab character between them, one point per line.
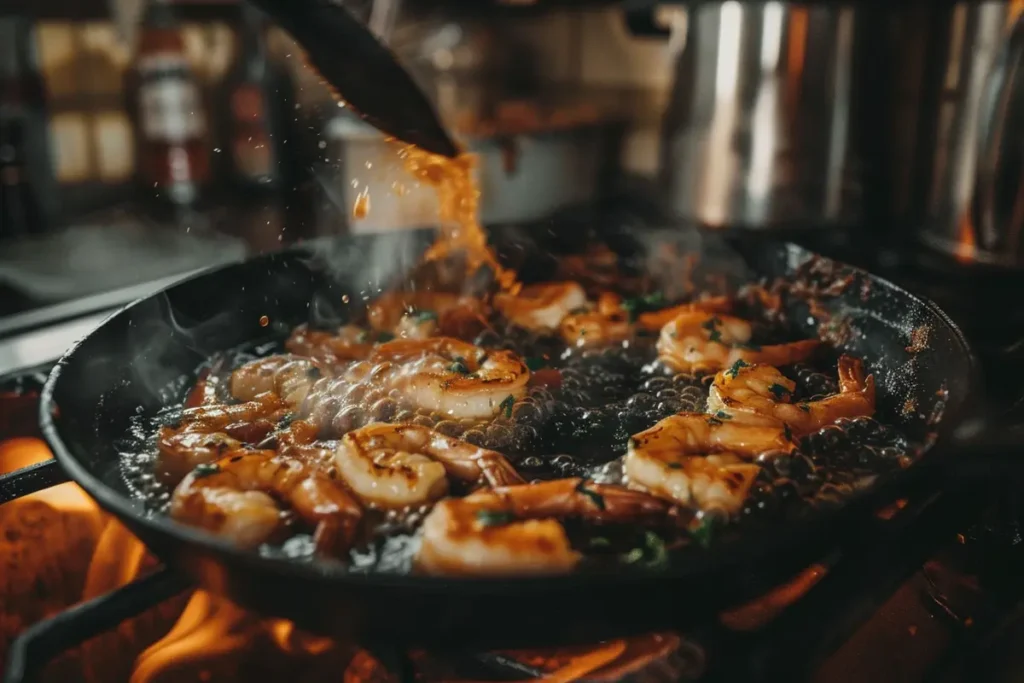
458	198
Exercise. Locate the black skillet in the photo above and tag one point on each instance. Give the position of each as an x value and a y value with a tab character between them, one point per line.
125	365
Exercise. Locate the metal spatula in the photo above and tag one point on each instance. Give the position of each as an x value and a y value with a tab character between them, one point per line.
362	71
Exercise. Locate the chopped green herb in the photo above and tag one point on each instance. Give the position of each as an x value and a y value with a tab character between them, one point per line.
507	404
705	532
424	316
206	469
675	465
788	432
653	300
734	371
637	305
714	421
494	517
653	554
804	407
385	336
715	336
599	542
634	556
596	498
362	337
722	415
779	391
535	362
711	323
459	366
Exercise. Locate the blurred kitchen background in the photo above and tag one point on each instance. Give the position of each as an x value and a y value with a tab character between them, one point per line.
141	139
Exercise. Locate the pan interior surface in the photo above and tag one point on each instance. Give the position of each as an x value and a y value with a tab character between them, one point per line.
143	358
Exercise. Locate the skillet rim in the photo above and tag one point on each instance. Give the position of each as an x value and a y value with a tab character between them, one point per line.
732	557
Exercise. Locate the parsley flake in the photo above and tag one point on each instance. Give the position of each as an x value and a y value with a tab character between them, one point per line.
722	415
385	336
459	366
424	316
734	371
653	554
596	498
804	407
535	363
779	391
494	517
507	404
205	469
704	533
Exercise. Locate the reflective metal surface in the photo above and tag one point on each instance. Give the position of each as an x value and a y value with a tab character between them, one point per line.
758	131
974	201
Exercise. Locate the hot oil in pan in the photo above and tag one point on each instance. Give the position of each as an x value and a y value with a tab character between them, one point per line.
578	424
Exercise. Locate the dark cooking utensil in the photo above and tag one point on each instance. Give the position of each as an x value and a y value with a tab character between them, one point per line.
364	72
124	366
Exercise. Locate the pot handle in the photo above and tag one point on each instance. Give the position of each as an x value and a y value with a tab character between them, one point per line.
31	479
992	125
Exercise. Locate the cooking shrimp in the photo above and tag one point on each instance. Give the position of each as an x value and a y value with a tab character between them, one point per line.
542	306
453	377
655	320
348	342
287	376
183	451
698	341
419	315
236	498
761	394
515	529
697	460
397	466
607	324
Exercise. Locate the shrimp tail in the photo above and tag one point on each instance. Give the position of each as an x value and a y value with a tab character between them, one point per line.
499	472
852	379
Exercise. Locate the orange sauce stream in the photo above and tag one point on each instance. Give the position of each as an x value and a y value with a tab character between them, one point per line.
458	198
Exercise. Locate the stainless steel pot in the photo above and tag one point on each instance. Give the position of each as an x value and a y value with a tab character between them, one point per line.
758	131
974	196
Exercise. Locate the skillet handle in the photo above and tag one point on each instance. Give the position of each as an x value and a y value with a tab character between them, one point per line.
43	641
31	479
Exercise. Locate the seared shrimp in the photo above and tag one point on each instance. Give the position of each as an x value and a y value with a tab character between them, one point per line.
515	530
397	466
696	460
541	306
417	314
183	451
698	341
289	377
348	342
235	498
607	324
655	320
761	394
453	377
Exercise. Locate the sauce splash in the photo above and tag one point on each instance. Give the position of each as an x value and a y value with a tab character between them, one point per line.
458	198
